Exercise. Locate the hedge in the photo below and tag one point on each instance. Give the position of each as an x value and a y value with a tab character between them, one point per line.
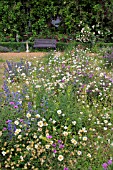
61	46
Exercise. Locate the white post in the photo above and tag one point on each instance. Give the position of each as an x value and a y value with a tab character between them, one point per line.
27	47
17	37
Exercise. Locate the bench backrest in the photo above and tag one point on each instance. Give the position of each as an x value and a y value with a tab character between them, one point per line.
45	43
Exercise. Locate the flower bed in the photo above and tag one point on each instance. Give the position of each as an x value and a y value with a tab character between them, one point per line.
57	114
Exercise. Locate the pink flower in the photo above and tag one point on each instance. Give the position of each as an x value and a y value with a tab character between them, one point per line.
3	77
66	168
15	106
8	121
4	128
54	151
61	146
21	120
54	145
63	65
105	165
109	162
62	81
49	137
59	141
11	103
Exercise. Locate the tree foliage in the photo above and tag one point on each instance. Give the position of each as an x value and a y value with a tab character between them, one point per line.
30	18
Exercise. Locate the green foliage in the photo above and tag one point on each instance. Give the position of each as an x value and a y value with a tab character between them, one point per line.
4	49
17	46
21	46
31	18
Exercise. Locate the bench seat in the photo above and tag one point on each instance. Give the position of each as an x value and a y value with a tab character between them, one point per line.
45	43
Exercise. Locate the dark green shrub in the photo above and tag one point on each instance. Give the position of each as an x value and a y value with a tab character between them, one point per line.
4	49
108	58
16	46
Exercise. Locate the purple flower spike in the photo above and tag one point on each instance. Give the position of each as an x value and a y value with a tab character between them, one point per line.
49	137
105	165
109	162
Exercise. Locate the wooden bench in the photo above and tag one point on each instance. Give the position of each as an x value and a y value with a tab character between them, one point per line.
45	43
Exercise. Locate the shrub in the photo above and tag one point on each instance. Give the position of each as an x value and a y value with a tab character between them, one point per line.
4	49
108	58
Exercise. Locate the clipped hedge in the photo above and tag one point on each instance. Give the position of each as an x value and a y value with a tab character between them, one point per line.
21	46
16	46
61	46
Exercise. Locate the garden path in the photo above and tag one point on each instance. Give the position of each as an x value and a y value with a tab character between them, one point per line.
16	56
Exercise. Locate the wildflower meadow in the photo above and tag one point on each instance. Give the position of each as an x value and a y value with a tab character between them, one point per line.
57	113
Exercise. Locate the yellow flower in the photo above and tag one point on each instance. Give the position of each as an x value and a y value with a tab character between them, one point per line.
28	148
7	151
47	146
79	152
18	149
17	131
60	157
35	136
65	133
19	136
59	112
74	141
45	124
37	116
12	149
28	115
5	143
27	82
40	124
36	146
27	97
84	144
54	128
16	122
89	155
21	157
85	138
